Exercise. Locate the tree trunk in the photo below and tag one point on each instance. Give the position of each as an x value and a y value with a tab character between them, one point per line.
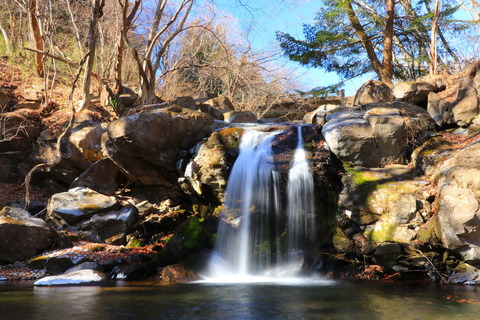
387	68
36	36
383	72
127	21
7	39
97	12
433	43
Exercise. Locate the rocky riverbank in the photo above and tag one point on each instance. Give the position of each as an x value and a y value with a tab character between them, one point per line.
396	179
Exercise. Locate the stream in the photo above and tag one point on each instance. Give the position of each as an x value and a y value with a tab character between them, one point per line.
296	299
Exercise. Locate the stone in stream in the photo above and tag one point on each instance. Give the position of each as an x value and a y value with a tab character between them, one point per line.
79	277
21	235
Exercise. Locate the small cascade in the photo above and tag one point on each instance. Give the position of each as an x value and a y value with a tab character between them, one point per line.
301	228
260	234
250	199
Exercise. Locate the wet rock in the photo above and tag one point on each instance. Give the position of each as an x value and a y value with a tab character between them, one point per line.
135	272
178	273
80	277
58	265
139	258
21	235
387	254
192	236
111	228
38	262
465	274
208	172
88	265
76	205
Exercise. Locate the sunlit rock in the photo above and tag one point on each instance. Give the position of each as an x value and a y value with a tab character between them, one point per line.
21	235
80	277
76	205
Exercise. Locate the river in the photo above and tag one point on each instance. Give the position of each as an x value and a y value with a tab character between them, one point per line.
306	299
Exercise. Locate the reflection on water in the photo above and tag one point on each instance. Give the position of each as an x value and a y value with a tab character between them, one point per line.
320	300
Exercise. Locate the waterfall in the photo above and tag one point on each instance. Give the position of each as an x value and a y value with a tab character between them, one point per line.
258	231
301	205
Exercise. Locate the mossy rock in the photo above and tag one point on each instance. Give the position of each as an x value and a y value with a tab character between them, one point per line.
429	232
192	236
341	242
230	137
382	231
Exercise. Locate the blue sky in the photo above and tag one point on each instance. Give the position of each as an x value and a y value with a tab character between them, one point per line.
266	17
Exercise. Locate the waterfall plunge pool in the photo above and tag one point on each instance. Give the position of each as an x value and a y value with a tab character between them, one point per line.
262	300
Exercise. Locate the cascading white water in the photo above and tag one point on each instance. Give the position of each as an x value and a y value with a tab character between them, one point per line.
249	190
301	205
253	205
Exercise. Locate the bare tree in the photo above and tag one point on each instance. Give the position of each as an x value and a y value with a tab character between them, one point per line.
172	27
37	36
97	12
127	22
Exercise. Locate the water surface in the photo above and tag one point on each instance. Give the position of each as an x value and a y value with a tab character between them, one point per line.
311	299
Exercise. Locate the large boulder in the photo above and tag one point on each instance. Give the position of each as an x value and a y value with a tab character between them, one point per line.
222	103
21	235
208	172
466	107
373	91
82	144
378	136
76	205
413	92
100	176
240	117
19	130
459	203
192	236
438	109
79	277
403	209
318	116
111	227
186	103
146	145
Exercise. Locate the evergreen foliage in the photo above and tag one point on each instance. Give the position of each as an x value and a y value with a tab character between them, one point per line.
331	42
